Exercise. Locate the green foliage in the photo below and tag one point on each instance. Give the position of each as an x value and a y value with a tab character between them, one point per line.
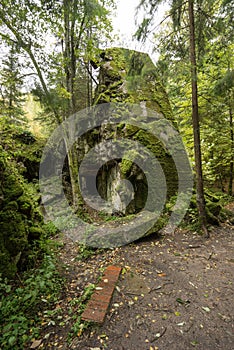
50	229
86	252
11	97
77	307
21	306
214	33
22	149
215	210
64	73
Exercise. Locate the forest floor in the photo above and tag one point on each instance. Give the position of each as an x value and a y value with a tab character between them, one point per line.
175	292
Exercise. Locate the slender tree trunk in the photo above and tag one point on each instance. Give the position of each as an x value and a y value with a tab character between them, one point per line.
67	52
196	127
77	199
230	186
70	8
89	86
89	77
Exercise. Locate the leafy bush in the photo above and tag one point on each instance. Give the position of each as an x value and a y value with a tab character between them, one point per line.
20	305
216	213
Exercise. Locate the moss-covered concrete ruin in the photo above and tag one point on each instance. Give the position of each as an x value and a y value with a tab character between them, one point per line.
129	76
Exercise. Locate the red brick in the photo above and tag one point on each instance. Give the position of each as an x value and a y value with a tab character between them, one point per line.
94	315
98	305
112	269
111	274
107	288
111	277
102	297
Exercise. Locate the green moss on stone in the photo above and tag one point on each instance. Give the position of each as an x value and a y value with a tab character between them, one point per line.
35	233
11	206
18	213
7	268
14	231
151	142
130	130
12	187
25	205
125	166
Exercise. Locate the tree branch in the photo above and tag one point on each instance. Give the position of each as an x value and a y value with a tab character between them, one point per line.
6	37
27	48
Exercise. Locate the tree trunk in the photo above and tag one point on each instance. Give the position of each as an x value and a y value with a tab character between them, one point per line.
230	186
70	71
89	86
196	127
77	200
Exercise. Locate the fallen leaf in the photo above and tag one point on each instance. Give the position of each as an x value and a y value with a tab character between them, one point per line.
103	336
205	308
177	254
192	284
180	301
162	274
123	271
35	344
177	313
194	343
47	336
158	335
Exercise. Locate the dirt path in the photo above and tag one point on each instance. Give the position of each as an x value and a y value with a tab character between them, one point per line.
175	292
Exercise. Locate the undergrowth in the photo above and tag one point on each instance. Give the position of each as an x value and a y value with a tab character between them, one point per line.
77	306
86	252
215	210
22	301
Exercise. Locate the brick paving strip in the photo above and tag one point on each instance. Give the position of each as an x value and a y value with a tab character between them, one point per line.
97	306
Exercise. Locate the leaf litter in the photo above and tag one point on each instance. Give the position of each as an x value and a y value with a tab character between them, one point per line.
185	303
